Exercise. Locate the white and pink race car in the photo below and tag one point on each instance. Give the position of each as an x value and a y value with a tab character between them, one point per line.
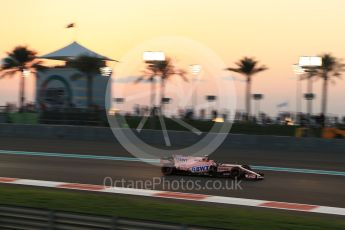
189	165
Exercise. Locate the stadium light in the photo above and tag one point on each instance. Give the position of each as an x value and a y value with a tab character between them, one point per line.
106	71
26	72
309	64
195	69
310	61
298	70
153	56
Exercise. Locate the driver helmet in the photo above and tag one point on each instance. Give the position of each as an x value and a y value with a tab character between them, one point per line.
205	158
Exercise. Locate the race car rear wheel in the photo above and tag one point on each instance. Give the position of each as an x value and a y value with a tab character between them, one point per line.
167	171
213	171
235	173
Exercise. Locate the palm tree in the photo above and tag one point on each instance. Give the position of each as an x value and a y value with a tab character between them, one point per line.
164	70
167	70
331	67
248	67
20	61
90	66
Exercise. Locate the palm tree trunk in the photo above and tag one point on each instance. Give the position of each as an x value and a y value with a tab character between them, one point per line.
248	95
22	93
162	96
153	95
310	101
89	91
153	104
324	95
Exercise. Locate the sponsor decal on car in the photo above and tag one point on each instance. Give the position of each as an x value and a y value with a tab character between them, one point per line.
250	176
181	159
224	168
202	168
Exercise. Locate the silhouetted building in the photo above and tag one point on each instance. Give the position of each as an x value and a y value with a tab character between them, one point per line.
66	87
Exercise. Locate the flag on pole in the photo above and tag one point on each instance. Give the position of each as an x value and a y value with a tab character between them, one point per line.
71	25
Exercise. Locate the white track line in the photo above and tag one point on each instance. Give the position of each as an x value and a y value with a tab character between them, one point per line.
179	196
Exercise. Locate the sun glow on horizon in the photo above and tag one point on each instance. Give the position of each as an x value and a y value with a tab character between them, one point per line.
276	33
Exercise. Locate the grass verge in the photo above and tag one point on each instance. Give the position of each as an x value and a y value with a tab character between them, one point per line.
233	217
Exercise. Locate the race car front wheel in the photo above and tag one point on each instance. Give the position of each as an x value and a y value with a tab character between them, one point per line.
167	171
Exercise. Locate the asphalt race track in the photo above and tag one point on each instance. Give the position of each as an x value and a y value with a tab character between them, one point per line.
327	190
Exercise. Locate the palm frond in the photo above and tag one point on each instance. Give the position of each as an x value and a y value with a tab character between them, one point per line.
308	75
331	67
260	69
183	74
9	63
165	69
8	73
247	66
22	55
87	64
234	70
19	59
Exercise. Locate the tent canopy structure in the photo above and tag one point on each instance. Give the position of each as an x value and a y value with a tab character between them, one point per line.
72	51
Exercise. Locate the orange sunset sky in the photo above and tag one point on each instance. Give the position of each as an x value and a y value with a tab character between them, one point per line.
276	32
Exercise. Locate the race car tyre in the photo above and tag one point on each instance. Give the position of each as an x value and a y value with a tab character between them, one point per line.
213	171
167	171
235	173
